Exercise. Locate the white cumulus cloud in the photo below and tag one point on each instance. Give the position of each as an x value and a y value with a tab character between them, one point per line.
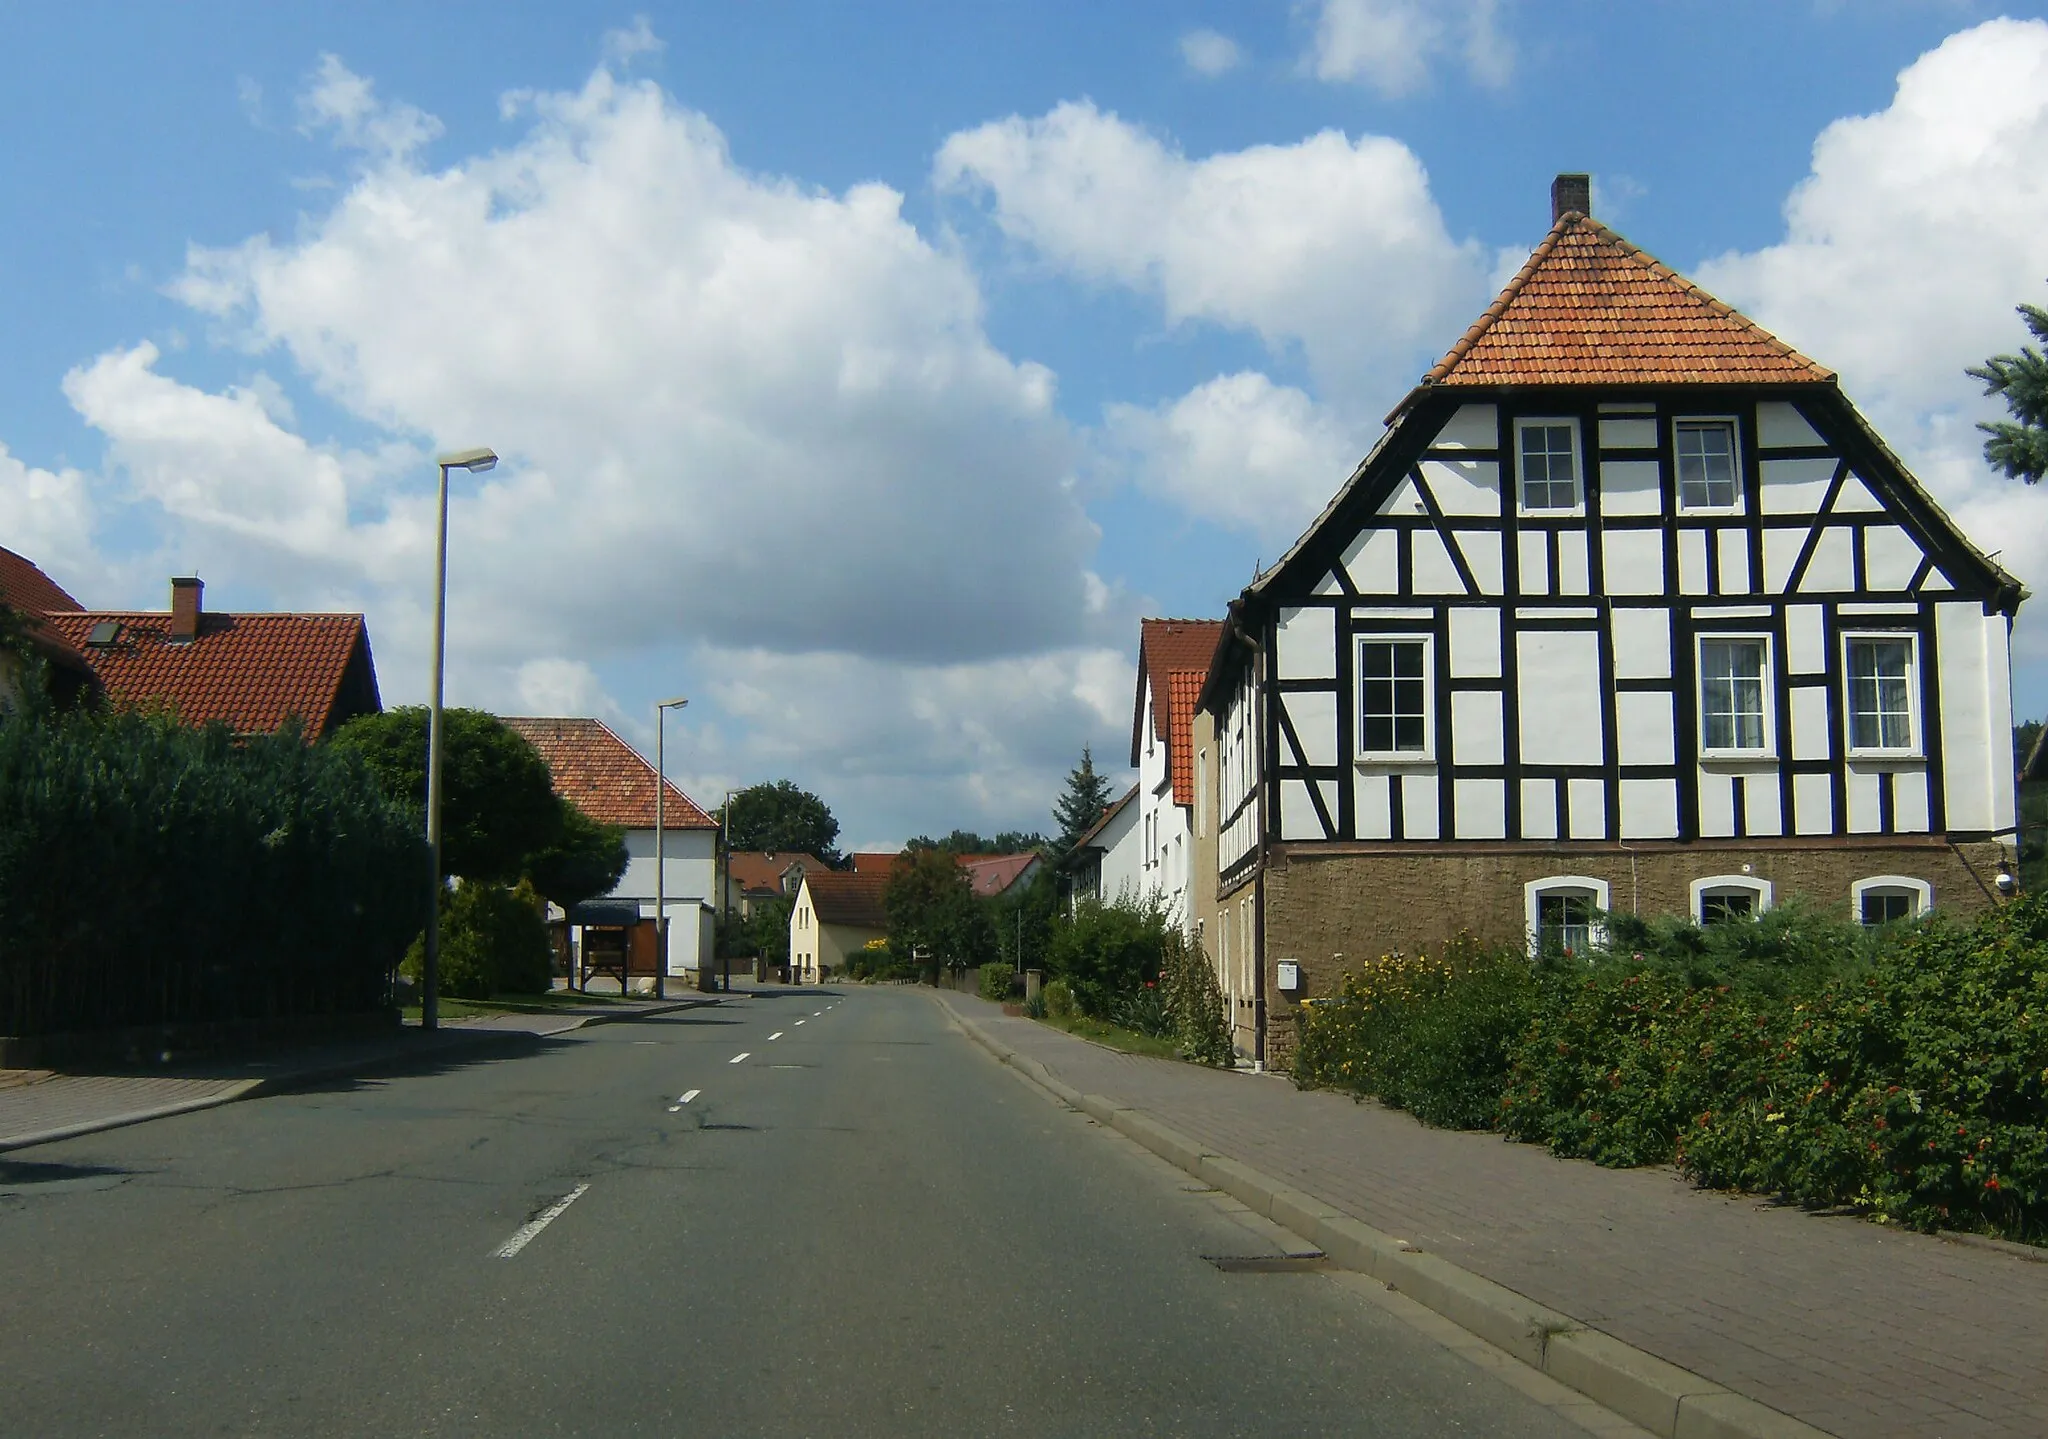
1393	46
1331	244
1210	53
1239	450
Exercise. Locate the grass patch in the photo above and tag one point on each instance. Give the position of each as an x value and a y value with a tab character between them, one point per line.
1115	1036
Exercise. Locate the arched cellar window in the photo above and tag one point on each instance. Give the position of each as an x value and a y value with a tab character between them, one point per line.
1729	896
1889	898
1562	913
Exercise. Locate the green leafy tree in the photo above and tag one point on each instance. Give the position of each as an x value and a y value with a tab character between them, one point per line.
498	804
767	930
932	908
584	860
1108	952
2019	446
1081	804
776	817
1023	916
966	841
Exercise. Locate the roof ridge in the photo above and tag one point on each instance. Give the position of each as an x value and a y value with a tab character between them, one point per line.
1575	222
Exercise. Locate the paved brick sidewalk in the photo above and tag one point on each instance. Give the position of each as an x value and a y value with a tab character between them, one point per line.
1860	1330
43	1108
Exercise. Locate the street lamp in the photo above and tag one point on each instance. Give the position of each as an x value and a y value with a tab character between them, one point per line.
661	709
476	461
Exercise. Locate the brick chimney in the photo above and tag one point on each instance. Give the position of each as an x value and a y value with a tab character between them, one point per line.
1570	192
185	608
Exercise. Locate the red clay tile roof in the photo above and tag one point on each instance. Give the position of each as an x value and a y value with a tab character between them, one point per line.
252	671
993	874
754	871
852	899
25	588
874	862
1590	308
1168	650
604	776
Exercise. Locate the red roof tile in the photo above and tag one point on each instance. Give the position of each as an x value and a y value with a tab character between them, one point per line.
1168	650
251	671
993	874
1590	308
852	899
25	588
875	862
754	871
605	777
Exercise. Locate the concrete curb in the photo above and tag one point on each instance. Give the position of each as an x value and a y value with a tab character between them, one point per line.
1654	1393
318	1074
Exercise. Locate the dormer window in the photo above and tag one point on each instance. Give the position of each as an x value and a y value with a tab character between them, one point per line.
1706	464
1548	451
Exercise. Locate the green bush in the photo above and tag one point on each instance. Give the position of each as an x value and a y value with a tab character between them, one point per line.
1108	952
1058	998
493	941
1433	1035
1195	1011
155	873
1142	1011
995	982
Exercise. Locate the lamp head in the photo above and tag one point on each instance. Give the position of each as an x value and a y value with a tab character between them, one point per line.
2005	882
674	704
476	461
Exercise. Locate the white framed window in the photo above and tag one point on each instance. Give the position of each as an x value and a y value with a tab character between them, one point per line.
1547	456
1721	897
1881	672
1563	913
1708	473
1395	682
1735	696
1889	898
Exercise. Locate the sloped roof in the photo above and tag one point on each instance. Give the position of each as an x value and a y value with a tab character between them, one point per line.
756	870
992	874
1087	841
875	861
1168	649
851	899
253	671
25	588
604	776
1590	308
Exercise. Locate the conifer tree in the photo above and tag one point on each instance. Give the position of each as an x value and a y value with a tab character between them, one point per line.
2019	446
1086	796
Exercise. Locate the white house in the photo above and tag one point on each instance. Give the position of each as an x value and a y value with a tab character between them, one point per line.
1173	660
835	914
610	782
1629	608
1104	863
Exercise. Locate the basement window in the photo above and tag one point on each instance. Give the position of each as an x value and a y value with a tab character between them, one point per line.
1723	897
1563	913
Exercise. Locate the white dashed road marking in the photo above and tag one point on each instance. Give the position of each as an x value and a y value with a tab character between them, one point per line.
738	1057
776	1035
803	1021
524	1235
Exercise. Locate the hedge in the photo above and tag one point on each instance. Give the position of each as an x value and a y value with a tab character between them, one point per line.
154	873
1904	1073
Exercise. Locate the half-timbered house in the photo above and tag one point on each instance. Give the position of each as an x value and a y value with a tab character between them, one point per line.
1628	609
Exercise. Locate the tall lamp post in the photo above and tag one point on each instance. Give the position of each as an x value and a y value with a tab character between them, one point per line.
476	462
661	709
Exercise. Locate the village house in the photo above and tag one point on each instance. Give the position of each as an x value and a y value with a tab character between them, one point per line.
612	783
249	671
1173	661
836	913
754	877
30	597
1104	863
1629	609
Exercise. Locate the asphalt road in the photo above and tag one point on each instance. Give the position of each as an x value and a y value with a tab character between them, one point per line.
864	1226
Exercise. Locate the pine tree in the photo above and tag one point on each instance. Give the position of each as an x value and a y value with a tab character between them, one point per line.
1087	795
2019	446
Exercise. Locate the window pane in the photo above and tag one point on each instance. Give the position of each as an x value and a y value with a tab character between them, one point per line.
1732	694
1393	697
1719	905
1886	906
1706	464
1549	479
1880	694
1564	922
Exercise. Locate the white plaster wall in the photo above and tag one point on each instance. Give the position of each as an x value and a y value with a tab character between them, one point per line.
689	878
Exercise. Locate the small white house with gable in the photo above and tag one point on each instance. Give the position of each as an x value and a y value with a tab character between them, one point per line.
1628	609
1173	661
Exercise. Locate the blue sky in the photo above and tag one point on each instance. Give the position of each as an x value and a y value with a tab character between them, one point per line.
865	371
